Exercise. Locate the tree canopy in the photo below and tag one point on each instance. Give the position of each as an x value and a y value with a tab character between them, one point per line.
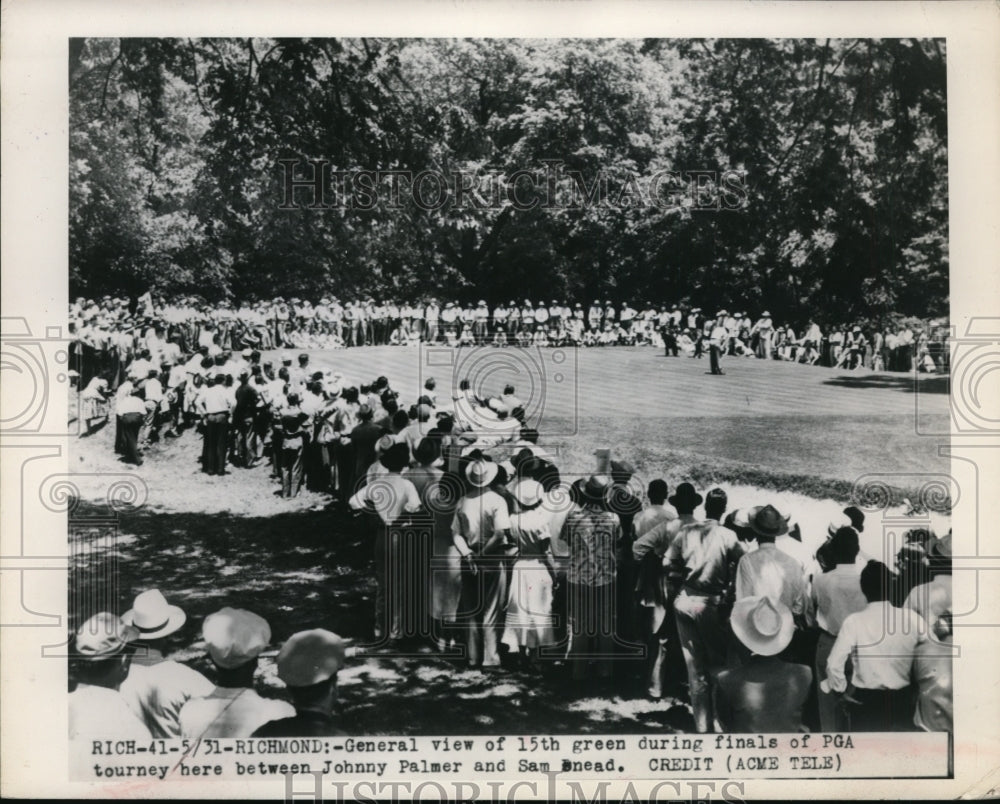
808	176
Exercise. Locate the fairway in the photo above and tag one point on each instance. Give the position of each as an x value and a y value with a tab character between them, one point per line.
804	429
772	416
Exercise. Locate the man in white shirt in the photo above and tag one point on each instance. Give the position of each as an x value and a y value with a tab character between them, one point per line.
234	638
215	402
881	641
481	531
432	315
655	528
131	411
389	496
153	392
417	429
509	399
718	341
101	656
701	561
768	571
656	513
141	366
156	687
834	595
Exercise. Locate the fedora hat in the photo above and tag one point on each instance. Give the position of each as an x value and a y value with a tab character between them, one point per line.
766	520
102	636
528	492
841	520
596	486
153	616
685	494
764	625
481	473
622	468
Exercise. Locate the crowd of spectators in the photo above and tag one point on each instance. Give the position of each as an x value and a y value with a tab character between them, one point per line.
481	545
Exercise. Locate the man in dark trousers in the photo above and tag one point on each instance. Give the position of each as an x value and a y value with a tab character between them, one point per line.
621	501
669	335
132	410
718	341
247	397
215	407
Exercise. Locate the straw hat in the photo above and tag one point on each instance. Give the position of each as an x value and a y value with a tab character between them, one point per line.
764	625
102	636
153	616
481	473
766	520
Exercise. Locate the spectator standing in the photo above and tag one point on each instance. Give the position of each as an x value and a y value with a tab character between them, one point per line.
702	561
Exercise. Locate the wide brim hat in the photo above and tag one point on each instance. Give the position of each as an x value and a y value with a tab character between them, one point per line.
596	486
153	616
528	492
481	473
740	518
839	521
622	468
102	636
764	625
685	494
766	520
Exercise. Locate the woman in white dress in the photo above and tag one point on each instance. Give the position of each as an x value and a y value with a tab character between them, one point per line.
530	623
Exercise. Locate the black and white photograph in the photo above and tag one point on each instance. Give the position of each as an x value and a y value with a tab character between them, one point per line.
449	409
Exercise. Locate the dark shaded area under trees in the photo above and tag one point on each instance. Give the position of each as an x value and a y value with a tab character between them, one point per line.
176	185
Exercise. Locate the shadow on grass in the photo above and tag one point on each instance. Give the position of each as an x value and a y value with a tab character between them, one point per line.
314	569
924	384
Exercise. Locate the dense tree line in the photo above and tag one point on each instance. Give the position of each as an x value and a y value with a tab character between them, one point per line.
838	149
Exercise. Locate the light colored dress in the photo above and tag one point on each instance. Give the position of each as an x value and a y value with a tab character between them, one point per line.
439	498
530	622
93	402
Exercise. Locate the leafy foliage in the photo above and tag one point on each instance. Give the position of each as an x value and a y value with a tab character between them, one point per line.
176	181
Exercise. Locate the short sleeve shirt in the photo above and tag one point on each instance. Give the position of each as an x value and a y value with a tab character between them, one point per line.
478	518
706	549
